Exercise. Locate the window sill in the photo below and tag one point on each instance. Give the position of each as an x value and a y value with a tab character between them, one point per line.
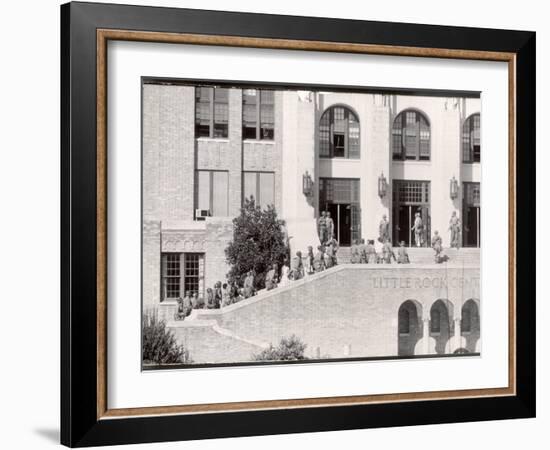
471	162
259	141
208	139
339	158
412	161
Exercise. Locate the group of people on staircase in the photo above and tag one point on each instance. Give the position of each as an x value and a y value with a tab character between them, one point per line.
378	251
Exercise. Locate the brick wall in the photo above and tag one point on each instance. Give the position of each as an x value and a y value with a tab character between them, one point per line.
151	263
168	152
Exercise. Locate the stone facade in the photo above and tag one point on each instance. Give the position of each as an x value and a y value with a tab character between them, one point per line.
172	155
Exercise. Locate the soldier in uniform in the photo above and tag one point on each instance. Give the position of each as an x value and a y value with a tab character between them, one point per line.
319	259
297	269
355	257
331	251
370	253
387	252
437	245
418	229
226	295
322	227
210	300
362	250
384	229
272	278
309	260
330	227
454	227
248	288
185	306
402	255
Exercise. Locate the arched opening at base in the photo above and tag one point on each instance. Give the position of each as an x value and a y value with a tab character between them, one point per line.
409	327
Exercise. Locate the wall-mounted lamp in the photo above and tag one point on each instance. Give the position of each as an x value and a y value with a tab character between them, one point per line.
453	188
382	186
307	184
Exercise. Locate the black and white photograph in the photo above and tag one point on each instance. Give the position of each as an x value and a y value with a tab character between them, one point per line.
308	223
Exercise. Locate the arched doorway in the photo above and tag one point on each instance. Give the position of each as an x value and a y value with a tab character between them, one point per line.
441	324
409	327
469	325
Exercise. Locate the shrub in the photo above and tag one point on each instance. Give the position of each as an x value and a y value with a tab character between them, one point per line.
159	345
258	242
289	349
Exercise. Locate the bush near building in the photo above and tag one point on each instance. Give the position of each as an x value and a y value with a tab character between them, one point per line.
159	345
289	349
258	242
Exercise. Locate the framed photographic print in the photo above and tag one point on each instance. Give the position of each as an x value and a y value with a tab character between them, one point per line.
277	224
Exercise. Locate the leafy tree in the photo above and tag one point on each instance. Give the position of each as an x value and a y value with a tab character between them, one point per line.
258	243
159	345
289	349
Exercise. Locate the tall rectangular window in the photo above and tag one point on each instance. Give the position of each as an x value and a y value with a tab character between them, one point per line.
181	274
261	186
211	112
258	114
212	193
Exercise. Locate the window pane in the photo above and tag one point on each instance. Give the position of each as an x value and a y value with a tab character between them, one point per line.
249	188
267	114
471	144
267	189
397	137
191	280
339	134
324	135
219	194
170	268
411	140
354	145
249	113
203	194
221	112
202	111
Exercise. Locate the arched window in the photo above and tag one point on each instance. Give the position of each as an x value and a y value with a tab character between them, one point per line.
471	143
339	134
411	136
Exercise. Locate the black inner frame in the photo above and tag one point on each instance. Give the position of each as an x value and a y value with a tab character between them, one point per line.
79	423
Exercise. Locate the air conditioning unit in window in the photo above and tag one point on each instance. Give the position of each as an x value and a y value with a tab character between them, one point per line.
201	214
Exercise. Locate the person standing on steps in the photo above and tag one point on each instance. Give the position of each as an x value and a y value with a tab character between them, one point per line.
322	227
418	229
330	227
437	245
384	229
402	255
454	227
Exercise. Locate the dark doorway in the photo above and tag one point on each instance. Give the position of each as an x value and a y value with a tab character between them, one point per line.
409	198
471	215
340	197
341	215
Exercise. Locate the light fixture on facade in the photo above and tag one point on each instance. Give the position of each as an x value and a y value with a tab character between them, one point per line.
453	190
382	185
307	184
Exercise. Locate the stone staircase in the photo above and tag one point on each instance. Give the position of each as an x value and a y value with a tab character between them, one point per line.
466	256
